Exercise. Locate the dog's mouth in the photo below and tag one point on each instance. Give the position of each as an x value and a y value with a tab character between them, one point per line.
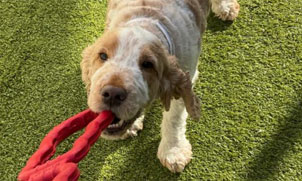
119	126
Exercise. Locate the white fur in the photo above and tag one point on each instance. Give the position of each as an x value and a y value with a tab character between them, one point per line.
131	41
195	77
225	9
174	151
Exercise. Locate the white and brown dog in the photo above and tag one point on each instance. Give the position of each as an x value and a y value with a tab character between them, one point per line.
150	50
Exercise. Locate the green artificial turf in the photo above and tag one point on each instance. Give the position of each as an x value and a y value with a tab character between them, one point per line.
249	83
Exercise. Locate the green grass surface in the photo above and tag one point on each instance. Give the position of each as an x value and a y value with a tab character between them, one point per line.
250	86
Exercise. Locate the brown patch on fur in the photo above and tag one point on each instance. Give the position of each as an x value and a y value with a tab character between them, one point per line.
168	81
155	53
91	61
177	84
108	43
116	80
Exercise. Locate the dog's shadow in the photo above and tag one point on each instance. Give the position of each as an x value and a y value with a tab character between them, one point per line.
214	24
131	159
266	165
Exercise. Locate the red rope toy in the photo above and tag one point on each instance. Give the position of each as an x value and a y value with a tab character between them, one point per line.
64	167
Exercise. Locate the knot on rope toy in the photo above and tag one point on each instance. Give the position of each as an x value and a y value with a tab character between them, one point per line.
64	167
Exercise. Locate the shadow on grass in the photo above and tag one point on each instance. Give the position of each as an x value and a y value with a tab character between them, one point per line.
215	24
139	160
266	164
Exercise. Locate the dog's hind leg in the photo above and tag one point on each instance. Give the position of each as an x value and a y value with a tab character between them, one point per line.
225	9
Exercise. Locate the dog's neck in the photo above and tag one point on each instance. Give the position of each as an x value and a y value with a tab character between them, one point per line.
158	28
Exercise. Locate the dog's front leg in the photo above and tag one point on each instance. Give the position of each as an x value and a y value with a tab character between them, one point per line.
174	151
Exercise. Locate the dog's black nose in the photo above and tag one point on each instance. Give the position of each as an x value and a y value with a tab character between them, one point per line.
113	96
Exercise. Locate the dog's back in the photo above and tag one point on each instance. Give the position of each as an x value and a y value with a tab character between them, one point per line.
185	21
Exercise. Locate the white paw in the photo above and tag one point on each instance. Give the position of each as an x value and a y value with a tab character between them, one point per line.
226	10
137	126
175	158
131	132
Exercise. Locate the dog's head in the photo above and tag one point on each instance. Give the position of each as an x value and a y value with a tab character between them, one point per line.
126	69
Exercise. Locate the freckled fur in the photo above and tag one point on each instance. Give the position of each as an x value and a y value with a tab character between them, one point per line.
127	44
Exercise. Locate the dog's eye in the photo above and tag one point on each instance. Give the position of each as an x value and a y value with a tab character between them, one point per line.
147	64
103	56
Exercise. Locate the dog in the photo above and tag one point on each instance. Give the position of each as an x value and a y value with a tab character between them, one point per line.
149	50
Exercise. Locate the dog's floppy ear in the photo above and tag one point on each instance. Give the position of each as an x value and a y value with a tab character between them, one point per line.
177	84
86	66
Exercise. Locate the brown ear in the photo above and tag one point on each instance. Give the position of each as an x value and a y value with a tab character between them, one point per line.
86	67
175	84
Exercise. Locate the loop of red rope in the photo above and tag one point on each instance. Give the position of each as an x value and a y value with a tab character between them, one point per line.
64	167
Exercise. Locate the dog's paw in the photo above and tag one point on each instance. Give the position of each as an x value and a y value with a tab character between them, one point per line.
137	126
175	158
131	132
226	10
